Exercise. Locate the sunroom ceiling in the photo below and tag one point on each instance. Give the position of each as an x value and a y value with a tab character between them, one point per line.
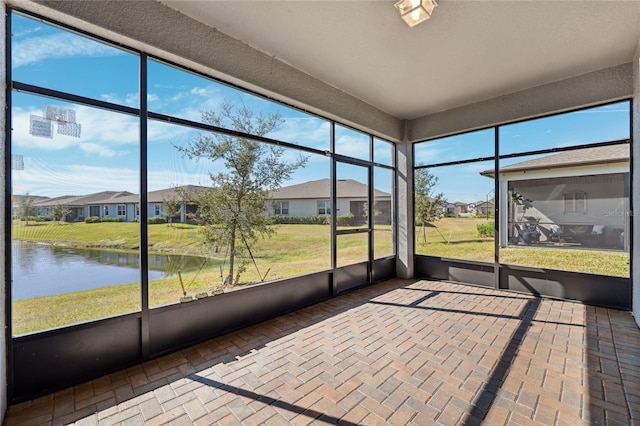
467	52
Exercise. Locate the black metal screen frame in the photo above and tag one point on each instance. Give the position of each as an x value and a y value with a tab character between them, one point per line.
145	345
498	267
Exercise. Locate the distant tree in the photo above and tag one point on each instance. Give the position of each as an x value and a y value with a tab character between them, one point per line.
428	205
171	208
376	211
232	210
26	209
60	212
188	196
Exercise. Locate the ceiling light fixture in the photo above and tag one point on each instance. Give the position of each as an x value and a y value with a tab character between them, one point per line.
415	11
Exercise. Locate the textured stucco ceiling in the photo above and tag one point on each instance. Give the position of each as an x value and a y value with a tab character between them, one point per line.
467	52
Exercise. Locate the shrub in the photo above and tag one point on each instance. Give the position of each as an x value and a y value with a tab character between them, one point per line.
96	219
301	220
486	229
345	219
111	219
156	220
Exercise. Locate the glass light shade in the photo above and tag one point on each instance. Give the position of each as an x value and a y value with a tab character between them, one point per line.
415	11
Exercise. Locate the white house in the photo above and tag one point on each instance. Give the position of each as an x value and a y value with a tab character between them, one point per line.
313	199
306	199
122	204
577	198
82	206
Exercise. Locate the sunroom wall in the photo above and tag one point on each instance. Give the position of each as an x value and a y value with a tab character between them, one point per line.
635	201
189	43
159	30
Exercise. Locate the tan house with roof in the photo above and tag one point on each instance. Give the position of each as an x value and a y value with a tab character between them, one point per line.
122	204
313	198
577	198
82	206
306	199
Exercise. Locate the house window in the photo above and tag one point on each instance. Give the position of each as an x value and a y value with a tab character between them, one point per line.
281	208
106	210
121	210
324	207
137	209
575	202
158	209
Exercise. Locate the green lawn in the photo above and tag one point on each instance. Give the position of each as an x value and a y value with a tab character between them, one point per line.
292	250
457	238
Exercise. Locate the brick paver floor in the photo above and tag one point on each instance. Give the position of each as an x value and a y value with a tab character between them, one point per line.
400	352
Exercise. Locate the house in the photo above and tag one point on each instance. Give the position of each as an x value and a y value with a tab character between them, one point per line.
306	199
577	198
458	208
122	204
128	208
313	199
81	206
17	200
485	208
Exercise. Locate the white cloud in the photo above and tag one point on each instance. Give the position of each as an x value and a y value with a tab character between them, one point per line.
35	49
42	177
130	99
199	91
311	132
94	148
353	146
98	128
383	153
25	32
47	179
427	155
161	132
186	103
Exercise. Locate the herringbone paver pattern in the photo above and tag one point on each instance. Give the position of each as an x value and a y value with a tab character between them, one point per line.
401	352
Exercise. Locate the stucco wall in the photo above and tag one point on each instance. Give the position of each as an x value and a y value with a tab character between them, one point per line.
303	207
405	229
155	28
589	89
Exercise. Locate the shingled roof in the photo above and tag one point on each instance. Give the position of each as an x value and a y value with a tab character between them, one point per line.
316	189
573	158
158	196
80	200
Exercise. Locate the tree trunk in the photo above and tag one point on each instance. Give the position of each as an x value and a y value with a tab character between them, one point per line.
424	234
232	253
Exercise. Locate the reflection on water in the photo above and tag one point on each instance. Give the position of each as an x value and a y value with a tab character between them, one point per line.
43	270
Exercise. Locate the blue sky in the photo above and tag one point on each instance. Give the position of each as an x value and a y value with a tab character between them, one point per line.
464	182
106	156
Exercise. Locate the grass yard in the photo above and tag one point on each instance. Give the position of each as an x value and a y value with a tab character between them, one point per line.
457	238
292	250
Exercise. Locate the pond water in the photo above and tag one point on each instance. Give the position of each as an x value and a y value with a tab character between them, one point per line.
45	270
